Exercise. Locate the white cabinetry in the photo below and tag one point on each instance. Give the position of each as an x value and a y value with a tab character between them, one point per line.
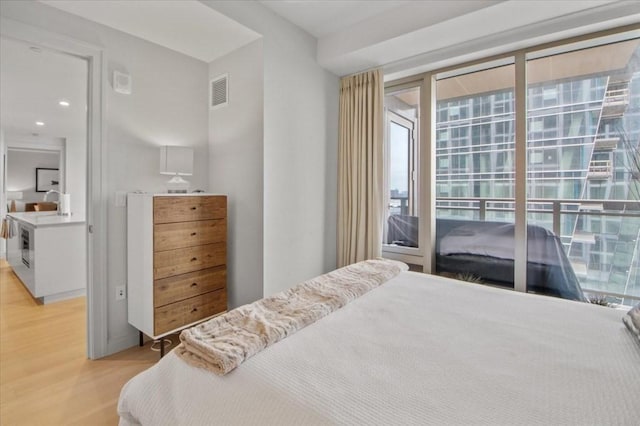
48	254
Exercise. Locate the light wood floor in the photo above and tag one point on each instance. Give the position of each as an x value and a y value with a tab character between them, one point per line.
45	377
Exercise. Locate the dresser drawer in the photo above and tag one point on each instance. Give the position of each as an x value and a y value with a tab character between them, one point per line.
182	209
187	311
181	261
180	287
168	236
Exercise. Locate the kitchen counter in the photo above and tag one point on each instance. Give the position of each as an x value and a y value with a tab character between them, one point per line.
44	219
48	253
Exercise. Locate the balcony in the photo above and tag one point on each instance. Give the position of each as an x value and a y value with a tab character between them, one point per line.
597	235
615	102
599	169
606	144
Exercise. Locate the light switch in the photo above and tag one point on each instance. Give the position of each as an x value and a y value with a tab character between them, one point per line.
121	199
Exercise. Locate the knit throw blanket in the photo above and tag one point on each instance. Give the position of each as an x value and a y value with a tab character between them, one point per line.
223	343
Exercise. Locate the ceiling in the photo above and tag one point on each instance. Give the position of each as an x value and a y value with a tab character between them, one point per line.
32	83
186	26
324	17
422	36
403	36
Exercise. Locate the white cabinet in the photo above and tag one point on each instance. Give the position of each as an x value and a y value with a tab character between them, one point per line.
48	254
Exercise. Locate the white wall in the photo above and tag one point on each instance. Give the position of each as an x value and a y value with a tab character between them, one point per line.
236	168
300	149
167	107
21	173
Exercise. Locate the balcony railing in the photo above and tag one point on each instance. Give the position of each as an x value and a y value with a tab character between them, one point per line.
599	169
606	143
615	102
497	209
557	208
399	205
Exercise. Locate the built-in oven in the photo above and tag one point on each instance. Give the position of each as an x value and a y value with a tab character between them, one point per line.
25	245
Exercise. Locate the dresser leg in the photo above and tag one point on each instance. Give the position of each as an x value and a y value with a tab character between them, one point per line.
141	341
161	347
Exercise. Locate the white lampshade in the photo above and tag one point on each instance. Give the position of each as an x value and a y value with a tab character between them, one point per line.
14	195
176	160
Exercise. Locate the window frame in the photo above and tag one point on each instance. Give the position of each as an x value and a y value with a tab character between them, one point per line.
426	167
412	255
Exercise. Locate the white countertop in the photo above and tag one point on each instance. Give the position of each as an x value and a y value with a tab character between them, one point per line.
45	219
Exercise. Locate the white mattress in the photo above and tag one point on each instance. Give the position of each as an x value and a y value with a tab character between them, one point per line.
417	350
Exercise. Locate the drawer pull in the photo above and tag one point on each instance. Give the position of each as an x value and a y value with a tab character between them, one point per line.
194	284
193	208
193	234
194	310
193	259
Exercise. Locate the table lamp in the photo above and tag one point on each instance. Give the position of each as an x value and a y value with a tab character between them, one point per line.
176	161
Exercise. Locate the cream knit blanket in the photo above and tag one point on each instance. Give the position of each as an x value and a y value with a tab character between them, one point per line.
222	343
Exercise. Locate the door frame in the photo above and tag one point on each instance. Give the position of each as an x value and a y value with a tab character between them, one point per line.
96	219
411	255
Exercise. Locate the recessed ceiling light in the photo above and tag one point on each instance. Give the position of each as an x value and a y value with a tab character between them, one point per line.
64	103
40	123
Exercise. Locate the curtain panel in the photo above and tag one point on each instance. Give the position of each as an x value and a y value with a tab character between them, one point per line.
360	172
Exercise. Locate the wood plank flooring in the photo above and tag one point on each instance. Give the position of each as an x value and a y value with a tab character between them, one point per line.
45	377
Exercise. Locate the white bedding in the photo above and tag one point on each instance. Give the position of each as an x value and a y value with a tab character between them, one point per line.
417	350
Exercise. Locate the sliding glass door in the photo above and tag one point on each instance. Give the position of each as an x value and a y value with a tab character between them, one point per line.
528	169
582	179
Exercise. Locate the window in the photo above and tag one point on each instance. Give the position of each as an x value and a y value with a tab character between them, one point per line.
583	126
485	142
581	159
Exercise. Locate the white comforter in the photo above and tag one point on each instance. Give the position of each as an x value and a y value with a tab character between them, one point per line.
417	350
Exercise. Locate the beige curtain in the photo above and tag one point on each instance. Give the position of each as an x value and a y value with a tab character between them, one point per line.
360	196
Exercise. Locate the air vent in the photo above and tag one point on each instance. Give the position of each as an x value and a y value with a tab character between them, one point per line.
219	91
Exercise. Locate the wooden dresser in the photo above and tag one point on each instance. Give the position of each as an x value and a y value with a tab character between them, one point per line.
176	260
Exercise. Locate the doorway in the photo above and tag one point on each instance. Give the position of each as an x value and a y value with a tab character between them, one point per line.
93	205
43	116
400	233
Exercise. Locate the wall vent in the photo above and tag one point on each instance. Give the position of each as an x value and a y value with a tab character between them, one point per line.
219	91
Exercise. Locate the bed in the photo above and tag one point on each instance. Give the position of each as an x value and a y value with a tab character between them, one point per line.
418	349
486	250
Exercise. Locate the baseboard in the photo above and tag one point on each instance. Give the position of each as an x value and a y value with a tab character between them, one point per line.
121	343
63	296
